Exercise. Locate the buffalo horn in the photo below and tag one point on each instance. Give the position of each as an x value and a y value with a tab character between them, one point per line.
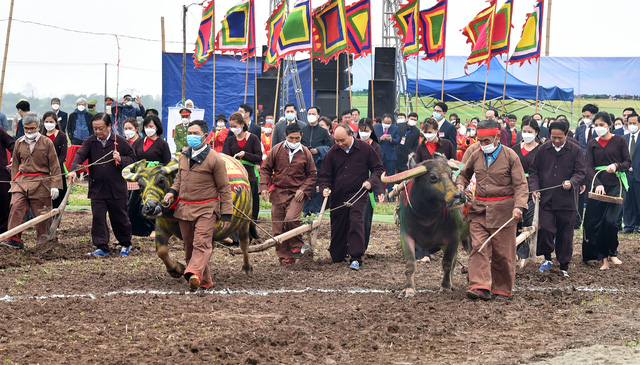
405	175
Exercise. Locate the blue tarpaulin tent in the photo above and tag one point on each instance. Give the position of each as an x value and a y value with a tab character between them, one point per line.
230	84
471	87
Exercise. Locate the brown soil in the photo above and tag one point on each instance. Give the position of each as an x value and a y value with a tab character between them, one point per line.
58	305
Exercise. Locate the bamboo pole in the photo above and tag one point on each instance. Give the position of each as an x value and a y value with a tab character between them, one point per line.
246	79
255	86
184	49
417	68
276	114
538	83
444	57
213	31
162	32
442	91
504	87
546	47
337	84
490	45
349	80
373	94
311	63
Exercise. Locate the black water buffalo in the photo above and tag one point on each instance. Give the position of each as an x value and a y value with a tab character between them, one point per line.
430	215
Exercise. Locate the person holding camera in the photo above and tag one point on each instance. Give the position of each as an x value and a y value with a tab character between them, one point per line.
128	109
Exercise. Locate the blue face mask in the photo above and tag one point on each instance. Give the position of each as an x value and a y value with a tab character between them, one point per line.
290	116
437	115
194	141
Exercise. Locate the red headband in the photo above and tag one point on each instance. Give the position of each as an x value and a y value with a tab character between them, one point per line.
488	132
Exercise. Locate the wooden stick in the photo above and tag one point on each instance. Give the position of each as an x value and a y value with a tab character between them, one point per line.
53	229
504	88
26	225
276	113
337	84
526	233
311	62
533	244
246	79
538	83
162	32
442	91
282	237
314	234
417	68
349	80
546	47
373	94
496	232
397	189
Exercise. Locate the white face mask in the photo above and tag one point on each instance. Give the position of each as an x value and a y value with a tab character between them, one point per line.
150	131
49	126
312	119
55	106
633	128
401	120
364	135
601	131
129	103
185	121
528	137
107	109
462	130
129	133
488	149
386	126
292	145
236	131
619	126
587	122
220	126
429	136
472	132
268	130
411	123
80	108
31	136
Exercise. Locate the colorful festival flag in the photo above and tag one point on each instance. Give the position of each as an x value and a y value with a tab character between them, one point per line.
502	29
251	49
529	45
296	31
205	42
274	26
434	22
329	31
406	22
481	52
234	35
359	28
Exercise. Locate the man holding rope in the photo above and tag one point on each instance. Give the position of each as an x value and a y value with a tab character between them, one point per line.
557	170
107	187
294	177
350	170
501	196
36	177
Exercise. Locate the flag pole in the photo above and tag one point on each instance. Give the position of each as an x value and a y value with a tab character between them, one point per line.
372	96
6	49
417	68
444	57
538	83
349	76
311	63
337	83
546	47
255	82
442	91
489	45
213	34
246	79
276	114
504	87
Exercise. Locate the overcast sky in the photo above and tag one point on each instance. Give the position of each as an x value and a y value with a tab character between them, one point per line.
45	61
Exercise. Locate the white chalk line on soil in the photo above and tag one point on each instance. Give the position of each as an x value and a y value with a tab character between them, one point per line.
223	292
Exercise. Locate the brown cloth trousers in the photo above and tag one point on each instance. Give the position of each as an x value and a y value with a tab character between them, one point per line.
288	211
20	205
197	237
494	268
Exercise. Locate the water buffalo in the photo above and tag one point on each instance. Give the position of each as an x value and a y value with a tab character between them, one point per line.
430	216
155	182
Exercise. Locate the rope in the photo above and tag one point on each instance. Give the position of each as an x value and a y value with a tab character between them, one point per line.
82	167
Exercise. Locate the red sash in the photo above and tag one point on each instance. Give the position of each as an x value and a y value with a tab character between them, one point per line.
27	174
493	198
175	204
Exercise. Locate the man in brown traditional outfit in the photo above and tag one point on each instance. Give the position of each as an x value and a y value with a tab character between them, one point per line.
294	174
202	189
36	177
501	194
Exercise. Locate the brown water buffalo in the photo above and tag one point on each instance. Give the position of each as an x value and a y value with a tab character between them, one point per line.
430	215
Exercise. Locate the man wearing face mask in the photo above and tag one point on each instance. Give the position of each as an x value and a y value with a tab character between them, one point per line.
34	157
501	193
318	141
409	138
180	130
61	116
291	116
584	133
79	125
267	133
401	119
108	102
294	176
445	128
128	109
202	189
23	107
389	137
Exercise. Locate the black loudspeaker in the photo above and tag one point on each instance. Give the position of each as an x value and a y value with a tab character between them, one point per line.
331	65
266	89
273	71
326	100
326	80
385	59
384	92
